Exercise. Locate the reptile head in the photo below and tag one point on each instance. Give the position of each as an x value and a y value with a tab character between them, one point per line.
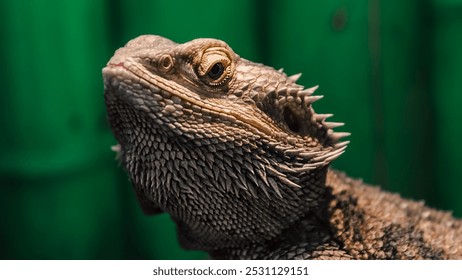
232	149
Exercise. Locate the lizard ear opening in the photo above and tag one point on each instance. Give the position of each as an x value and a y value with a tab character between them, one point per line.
291	120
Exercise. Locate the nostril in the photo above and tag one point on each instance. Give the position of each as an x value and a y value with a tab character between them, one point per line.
166	63
291	120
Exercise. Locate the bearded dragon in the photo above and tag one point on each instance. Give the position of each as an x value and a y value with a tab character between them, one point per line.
234	152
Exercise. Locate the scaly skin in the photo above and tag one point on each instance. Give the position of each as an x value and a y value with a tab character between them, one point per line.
235	153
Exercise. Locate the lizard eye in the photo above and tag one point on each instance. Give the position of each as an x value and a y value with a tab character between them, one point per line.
216	71
215	67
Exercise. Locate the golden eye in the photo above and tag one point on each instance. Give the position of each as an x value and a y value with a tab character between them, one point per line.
215	67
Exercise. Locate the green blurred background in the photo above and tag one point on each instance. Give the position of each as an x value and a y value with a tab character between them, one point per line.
392	70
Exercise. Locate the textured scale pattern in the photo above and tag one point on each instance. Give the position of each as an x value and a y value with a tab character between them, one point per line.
234	152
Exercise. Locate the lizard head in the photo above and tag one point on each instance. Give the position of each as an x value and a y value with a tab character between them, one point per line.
232	149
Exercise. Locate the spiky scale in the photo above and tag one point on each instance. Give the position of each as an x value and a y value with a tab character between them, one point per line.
308	91
331	125
294	78
341	144
313	98
322	117
288	182
338	135
275	186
